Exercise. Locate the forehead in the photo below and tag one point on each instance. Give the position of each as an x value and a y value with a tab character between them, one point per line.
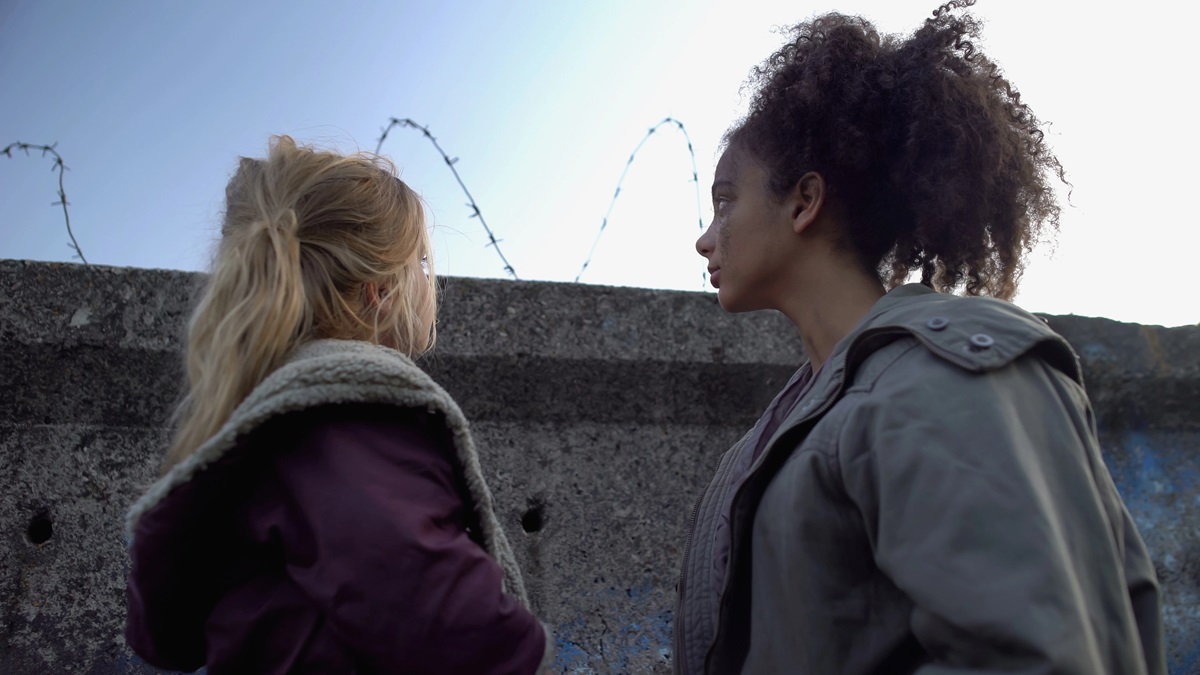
739	167
729	164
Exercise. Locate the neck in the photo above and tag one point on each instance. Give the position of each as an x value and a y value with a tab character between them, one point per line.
826	307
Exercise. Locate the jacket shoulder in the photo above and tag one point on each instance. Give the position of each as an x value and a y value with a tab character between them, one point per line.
320	373
346	362
973	333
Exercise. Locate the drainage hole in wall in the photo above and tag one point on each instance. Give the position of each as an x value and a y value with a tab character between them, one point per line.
533	519
40	529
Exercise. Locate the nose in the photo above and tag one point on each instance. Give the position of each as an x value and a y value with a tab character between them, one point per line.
707	242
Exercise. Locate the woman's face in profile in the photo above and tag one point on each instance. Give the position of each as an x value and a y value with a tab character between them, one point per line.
747	243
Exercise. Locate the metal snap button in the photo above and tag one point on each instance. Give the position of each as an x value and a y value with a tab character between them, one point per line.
982	340
937	323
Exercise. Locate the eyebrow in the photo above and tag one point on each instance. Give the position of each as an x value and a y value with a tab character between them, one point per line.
720	183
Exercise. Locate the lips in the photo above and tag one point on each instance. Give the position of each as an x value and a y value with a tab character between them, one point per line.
714	278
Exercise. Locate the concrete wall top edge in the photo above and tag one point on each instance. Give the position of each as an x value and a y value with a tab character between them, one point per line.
140	309
146	309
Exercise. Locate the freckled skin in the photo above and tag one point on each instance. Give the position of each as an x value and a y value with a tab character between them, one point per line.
750	241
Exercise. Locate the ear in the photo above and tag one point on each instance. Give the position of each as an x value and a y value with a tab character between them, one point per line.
373	295
806	200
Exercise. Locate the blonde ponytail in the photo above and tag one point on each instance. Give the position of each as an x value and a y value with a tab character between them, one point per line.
309	240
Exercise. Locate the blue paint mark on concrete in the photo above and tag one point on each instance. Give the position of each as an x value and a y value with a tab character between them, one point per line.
1158	476
1093	352
1189	665
570	658
127	662
633	626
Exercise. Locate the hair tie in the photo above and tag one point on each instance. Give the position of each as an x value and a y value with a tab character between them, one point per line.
283	224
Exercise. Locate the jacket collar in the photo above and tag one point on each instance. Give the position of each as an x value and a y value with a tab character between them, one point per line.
974	333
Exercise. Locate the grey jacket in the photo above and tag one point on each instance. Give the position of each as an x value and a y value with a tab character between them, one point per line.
937	503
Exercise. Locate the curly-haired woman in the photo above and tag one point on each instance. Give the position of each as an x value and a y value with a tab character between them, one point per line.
927	493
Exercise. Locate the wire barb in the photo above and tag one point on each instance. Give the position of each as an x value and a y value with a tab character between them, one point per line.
61	167
450	162
621	181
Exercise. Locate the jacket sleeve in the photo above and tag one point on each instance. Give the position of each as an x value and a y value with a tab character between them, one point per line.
375	533
988	504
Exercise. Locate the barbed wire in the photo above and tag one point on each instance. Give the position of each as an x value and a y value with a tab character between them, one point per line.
60	166
475	212
62	193
621	181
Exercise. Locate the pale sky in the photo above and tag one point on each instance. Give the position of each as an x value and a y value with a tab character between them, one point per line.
542	102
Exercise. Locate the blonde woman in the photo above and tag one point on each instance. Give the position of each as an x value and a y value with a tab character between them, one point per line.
321	507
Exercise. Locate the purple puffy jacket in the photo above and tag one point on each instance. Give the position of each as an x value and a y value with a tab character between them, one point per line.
335	540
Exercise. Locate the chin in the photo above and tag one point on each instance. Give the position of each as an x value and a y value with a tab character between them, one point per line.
737	304
729	301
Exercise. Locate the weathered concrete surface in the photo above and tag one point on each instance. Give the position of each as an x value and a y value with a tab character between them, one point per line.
1144	382
600	412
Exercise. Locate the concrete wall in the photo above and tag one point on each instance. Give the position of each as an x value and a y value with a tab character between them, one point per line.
600	413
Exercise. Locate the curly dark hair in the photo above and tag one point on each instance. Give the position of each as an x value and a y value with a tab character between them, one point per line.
939	165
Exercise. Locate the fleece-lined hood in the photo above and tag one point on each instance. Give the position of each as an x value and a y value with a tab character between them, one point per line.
327	372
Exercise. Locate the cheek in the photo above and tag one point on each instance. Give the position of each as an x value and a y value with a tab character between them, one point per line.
433	306
424	305
723	233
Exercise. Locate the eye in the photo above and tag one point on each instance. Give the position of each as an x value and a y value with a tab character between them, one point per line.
720	204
